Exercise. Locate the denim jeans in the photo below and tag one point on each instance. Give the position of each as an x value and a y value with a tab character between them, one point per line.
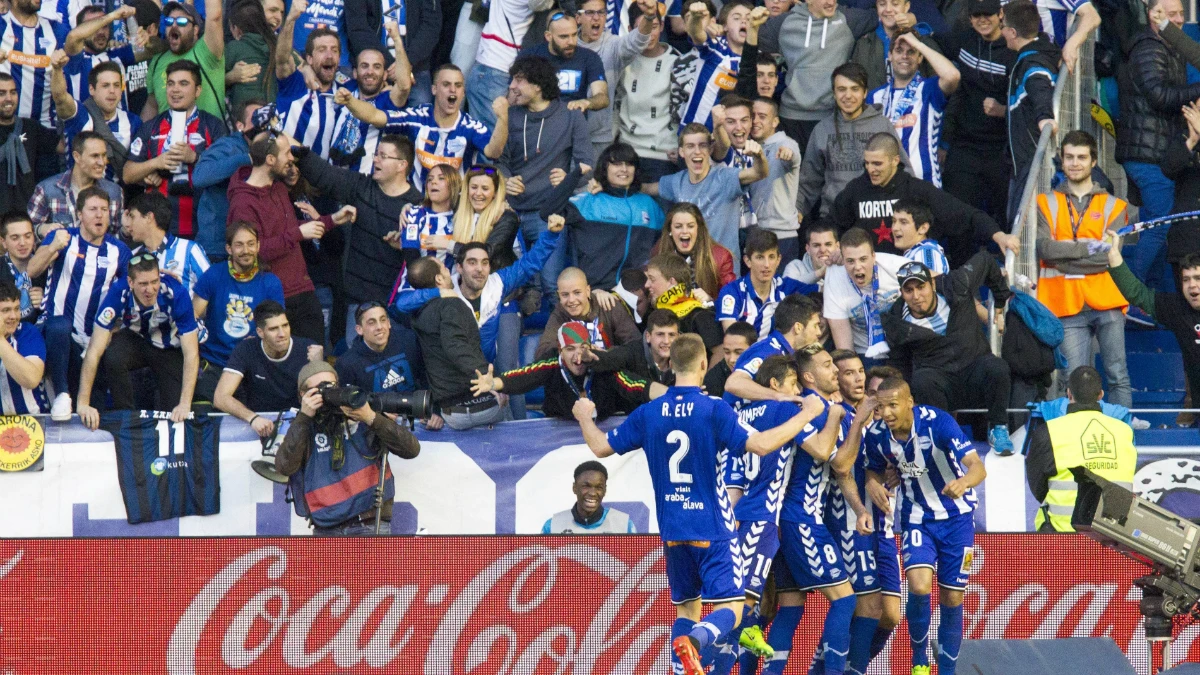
464	420
1158	199
64	358
422	91
508	352
532	226
484	84
1108	327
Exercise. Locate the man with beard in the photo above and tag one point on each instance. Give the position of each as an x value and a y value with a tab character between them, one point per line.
167	146
308	114
354	141
87	47
224	299
145	321
54	199
19	242
441	132
26	42
581	80
182	37
570	377
259	195
86	262
22	142
866	203
261	372
610	327
102	112
615	53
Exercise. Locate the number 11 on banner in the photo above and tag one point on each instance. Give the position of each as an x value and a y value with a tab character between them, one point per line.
164	430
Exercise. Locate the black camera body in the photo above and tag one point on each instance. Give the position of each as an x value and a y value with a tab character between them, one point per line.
414	405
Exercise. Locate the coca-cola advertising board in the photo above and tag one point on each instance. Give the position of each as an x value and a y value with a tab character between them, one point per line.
455	605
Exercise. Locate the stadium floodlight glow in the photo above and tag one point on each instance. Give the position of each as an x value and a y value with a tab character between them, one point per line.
1166	542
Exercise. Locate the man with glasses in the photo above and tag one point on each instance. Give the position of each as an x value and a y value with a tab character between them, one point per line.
160	333
372	265
82	264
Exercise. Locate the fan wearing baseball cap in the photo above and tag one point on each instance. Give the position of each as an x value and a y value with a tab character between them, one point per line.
569	377
934	333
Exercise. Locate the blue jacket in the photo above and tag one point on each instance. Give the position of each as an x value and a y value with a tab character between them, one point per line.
211	177
1047	327
612	233
1049	410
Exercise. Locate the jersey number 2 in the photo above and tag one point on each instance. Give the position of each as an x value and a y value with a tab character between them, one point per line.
685	444
163	430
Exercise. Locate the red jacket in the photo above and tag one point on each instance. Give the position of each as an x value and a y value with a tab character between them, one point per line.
271	209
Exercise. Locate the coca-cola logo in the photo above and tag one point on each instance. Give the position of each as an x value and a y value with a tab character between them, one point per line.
376	630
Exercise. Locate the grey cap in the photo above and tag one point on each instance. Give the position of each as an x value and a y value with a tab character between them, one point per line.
312	368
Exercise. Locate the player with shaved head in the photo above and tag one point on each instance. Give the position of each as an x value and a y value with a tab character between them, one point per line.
939	470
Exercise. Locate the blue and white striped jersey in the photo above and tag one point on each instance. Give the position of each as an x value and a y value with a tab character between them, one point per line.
28	62
927	461
123	125
348	141
838	514
182	257
456	146
737	301
804	499
419	221
80	67
767	477
930	254
916	111
775	343
79	279
716	77
308	116
15	399
161	324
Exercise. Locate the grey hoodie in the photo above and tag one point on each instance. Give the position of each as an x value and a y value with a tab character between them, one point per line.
834	156
555	138
812	49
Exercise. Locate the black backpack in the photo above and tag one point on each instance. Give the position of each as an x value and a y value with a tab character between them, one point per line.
1028	357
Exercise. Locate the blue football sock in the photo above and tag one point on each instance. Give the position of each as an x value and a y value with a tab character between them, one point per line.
917	613
747	663
862	631
726	653
950	635
712	627
836	635
817	667
783	629
880	639
679	628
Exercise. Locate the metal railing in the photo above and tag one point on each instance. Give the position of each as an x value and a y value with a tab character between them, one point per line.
1073	93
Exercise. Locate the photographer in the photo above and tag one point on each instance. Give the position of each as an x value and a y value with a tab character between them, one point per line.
332	457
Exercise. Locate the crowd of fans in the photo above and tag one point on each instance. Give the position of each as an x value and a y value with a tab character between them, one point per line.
202	198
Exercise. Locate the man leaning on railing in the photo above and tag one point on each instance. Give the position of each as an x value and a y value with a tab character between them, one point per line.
1030	91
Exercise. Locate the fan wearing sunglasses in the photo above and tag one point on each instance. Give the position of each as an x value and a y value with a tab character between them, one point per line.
160	332
181	30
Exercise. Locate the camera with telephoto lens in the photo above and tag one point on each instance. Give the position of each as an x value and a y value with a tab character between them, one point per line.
414	405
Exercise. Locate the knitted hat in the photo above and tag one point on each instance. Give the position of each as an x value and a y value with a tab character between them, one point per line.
312	368
573	333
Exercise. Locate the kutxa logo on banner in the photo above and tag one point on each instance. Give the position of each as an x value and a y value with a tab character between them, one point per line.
449	605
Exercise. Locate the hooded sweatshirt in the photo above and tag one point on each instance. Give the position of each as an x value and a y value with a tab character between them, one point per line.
554	138
834	156
812	48
211	177
271	209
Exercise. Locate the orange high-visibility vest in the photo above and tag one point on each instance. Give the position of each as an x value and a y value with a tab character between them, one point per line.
1066	294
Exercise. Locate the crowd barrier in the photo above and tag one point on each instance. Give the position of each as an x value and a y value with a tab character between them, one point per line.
506	480
455	605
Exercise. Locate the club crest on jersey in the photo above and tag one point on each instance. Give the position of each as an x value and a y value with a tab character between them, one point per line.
238	315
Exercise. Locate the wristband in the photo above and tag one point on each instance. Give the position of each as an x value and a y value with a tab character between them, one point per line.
252	419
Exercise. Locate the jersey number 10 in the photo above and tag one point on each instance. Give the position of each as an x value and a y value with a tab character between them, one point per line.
164	431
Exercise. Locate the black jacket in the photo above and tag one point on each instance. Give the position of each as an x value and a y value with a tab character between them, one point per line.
960	227
984	67
1183	167
371	266
915	347
1030	99
449	337
423	26
1152	85
633	358
611	392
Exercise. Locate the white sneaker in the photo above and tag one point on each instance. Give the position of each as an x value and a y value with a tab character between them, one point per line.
62	409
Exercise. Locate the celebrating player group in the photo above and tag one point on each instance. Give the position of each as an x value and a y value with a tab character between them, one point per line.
815	464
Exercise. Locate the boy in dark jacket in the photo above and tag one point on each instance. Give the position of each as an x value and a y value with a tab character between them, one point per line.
936	339
1030	90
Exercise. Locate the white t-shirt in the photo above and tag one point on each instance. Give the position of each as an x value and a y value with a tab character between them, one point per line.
508	21
843	300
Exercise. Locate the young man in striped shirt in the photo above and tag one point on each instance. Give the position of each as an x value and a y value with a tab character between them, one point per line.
87	45
911	220
27	40
160	332
914	104
83	263
149	220
106	90
22	358
719	57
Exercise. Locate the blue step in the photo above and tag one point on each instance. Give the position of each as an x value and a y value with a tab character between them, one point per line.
1137	340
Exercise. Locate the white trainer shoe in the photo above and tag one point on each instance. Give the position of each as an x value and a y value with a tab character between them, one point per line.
62	409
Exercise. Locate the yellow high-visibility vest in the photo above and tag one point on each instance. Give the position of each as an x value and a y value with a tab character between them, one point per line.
1093	440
